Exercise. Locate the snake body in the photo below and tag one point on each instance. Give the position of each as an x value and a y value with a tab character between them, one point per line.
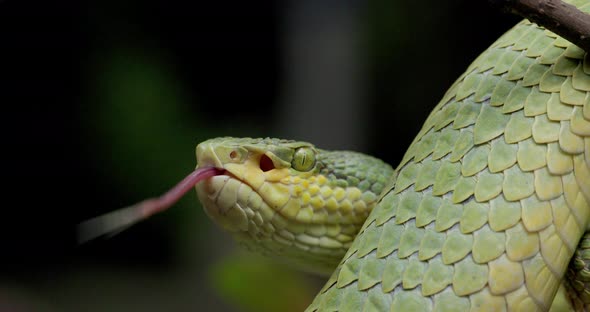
484	212
491	198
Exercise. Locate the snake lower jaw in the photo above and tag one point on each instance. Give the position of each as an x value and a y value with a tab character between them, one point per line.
219	196
238	209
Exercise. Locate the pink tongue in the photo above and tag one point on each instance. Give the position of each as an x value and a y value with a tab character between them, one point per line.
118	220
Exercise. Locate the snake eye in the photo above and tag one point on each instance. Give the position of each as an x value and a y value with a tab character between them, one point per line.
303	159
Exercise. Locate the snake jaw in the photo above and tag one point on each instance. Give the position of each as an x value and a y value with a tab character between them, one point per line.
220	201
235	197
228	198
287	199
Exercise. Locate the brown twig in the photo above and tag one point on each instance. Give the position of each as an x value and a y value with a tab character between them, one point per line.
561	18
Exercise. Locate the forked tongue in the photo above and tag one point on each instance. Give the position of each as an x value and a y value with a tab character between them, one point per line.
116	221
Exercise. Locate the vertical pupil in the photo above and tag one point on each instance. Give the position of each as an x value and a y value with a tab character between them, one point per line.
303	159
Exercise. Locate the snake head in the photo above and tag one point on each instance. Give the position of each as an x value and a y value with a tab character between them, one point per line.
289	199
254	180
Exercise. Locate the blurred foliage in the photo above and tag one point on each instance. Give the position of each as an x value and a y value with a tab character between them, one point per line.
142	131
254	283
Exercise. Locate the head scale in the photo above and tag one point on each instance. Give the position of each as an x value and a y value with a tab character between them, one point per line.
288	199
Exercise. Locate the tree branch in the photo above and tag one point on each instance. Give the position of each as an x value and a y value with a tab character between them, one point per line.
561	18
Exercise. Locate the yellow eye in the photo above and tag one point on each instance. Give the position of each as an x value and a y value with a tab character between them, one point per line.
304	159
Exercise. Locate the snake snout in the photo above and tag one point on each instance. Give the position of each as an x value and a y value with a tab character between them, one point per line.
207	157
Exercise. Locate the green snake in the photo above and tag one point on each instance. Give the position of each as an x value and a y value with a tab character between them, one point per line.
488	209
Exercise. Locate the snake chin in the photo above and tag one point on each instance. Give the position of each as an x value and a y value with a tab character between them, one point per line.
225	200
237	208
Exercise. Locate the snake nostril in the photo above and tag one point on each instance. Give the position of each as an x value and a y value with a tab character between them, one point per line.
266	163
233	155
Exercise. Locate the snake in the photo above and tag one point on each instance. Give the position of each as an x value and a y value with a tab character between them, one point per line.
488	210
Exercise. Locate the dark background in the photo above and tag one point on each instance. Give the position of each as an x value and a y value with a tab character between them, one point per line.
104	101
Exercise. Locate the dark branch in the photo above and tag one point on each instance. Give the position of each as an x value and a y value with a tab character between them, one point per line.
561	18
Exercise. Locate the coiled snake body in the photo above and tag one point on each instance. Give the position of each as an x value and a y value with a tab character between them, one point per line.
485	211
492	197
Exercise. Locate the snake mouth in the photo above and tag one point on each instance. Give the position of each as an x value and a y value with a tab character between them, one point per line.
225	172
232	203
222	172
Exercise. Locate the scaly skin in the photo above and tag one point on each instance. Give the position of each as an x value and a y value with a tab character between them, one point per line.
578	275
288	199
492	197
484	212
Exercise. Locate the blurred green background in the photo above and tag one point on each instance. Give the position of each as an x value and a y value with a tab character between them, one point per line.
105	101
